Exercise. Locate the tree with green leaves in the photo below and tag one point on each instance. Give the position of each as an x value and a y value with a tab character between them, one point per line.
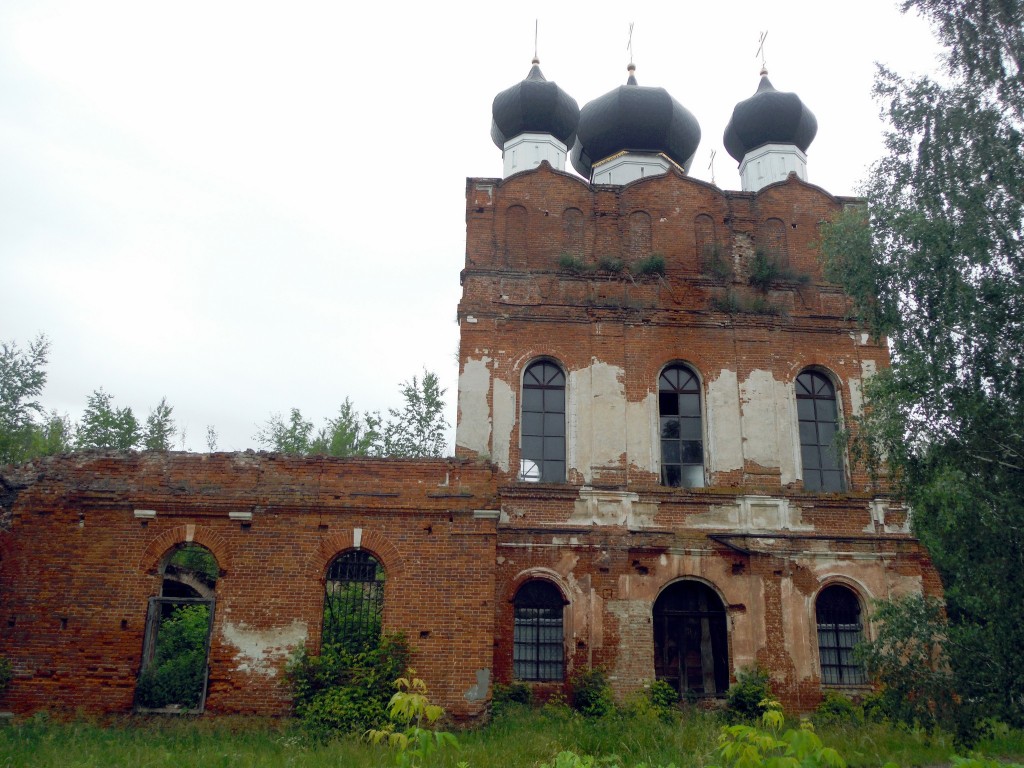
936	263
22	378
160	428
104	426
415	430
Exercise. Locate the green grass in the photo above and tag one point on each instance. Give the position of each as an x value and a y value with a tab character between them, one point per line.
517	739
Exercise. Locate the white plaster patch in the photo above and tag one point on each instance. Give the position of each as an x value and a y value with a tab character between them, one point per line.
259	651
473	431
769	424
725	439
599	402
642	434
504	399
856	396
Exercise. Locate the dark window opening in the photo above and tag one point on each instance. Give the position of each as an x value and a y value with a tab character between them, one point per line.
353	601
818	419
691	645
682	441
176	647
539	652
839	631
542	428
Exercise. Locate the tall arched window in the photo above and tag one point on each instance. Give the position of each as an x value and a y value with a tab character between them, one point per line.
682	442
839	631
542	427
818	415
691	647
539	650
353	600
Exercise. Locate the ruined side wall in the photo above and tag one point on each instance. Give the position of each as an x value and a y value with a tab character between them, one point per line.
77	568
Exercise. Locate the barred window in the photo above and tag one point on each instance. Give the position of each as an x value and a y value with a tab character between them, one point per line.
839	631
817	412
539	653
682	442
353	600
691	644
542	427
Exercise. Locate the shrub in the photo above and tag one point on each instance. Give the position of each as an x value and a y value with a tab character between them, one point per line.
411	710
513	693
344	690
714	263
747	698
837	709
765	270
610	264
591	694
663	695
748	746
177	672
6	673
574	264
652	265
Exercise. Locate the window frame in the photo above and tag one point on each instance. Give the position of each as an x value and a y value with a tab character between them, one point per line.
546	650
544	427
844	665
680	390
819	458
371	605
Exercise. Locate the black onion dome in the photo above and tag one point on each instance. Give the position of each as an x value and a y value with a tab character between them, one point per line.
769	117
535	106
634	118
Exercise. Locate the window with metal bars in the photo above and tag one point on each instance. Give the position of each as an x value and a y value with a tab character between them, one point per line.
539	651
353	601
682	441
691	643
542	427
839	631
818	416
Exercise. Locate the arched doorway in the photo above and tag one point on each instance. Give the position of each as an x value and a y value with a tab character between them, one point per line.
175	654
691	644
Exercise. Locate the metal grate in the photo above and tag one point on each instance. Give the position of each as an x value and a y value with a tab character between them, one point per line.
353	600
839	631
691	644
539	650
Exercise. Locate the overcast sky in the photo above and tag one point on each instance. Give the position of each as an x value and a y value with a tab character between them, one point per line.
246	207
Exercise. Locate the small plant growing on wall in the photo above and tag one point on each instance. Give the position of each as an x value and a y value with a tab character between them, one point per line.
574	264
714	262
766	270
652	265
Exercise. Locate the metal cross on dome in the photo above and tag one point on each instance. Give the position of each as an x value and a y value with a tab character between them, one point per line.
760	49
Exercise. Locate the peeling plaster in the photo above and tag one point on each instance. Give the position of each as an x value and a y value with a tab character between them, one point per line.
725	440
260	650
607	507
504	399
598	401
478	692
642	434
769	424
474	428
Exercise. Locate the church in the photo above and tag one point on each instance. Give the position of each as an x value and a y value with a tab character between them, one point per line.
649	476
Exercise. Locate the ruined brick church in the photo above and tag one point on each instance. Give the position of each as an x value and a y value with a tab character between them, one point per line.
652	373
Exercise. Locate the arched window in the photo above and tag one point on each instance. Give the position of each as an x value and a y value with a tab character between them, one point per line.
353	600
542	427
839	631
176	646
682	442
539	650
816	410
691	647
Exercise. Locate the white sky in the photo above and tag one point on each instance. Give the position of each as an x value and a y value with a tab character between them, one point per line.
252	206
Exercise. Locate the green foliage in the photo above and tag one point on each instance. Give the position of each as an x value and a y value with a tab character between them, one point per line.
104	426
732	304
748	697
611	264
160	428
937	266
747	746
574	264
652	265
346	623
835	709
765	271
24	430
908	660
342	690
415	430
590	693
662	695
177	672
411	711
6	673
513	693
198	560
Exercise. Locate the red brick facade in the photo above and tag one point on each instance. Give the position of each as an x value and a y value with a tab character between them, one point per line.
458	537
